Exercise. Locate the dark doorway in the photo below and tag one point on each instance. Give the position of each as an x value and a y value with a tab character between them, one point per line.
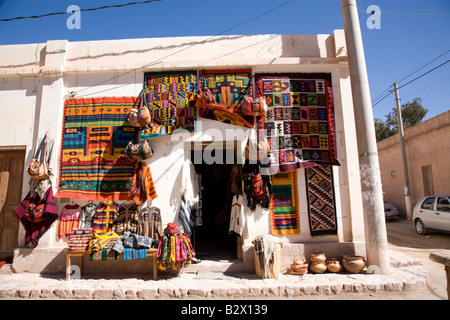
212	240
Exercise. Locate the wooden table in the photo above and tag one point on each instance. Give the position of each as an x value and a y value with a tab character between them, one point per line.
151	253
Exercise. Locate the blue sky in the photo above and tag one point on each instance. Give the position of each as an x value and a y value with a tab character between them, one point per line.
404	43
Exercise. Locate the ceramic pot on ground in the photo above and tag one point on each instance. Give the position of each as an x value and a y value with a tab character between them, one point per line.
317	267
317	257
334	265
299	268
354	264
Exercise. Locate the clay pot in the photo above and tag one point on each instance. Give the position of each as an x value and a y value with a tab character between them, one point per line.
317	257
354	264
317	267
334	265
299	260
299	268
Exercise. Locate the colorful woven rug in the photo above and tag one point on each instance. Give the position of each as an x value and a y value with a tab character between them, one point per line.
300	121
169	95
284	204
95	131
321	205
229	88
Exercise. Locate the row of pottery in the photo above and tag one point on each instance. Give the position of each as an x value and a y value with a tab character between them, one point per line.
318	264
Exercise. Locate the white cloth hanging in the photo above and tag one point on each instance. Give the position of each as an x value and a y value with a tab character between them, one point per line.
237	218
189	184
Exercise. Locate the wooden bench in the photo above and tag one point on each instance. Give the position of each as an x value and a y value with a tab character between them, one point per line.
151	253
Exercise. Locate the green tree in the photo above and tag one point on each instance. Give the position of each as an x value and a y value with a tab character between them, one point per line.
412	112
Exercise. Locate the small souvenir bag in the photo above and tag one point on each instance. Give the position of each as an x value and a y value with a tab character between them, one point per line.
38	168
255	107
138	151
140	116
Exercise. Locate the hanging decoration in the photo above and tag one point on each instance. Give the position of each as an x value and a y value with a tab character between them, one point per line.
321	205
284	204
229	88
92	166
299	122
169	97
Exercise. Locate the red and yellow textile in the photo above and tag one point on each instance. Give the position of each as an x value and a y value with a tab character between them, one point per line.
284	205
92	166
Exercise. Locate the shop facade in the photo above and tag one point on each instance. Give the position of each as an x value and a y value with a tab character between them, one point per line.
309	124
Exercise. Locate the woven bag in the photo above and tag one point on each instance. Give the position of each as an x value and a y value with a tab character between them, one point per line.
139	115
38	168
138	151
254	107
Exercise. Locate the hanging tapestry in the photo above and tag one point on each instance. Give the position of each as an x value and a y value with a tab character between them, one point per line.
299	123
321	206
284	204
169	96
92	166
229	88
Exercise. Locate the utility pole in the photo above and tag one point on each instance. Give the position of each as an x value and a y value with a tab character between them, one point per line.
372	195
408	205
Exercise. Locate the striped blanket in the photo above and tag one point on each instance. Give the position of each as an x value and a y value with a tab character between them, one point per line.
131	253
95	131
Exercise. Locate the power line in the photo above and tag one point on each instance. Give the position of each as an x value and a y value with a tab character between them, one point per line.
434	83
390	92
81	10
377	99
418	13
423	66
424	74
188	47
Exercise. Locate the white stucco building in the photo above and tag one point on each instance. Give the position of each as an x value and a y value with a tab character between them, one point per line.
35	80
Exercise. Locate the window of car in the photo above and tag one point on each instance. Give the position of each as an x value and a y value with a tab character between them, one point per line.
428	203
443	204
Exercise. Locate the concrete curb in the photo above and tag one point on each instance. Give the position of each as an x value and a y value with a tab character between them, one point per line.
404	278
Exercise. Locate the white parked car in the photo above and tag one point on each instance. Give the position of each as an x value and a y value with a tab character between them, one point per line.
390	211
432	213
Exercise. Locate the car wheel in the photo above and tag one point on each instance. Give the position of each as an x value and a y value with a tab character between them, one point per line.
420	227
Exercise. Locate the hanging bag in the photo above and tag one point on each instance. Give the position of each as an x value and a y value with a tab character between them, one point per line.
38	168
255	107
139	115
204	96
138	151
259	191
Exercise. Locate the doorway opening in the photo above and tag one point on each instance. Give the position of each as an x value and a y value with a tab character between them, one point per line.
212	240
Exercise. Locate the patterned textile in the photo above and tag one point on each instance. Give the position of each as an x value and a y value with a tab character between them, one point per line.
105	216
175	251
131	240
150	223
79	238
284	205
92	166
131	253
229	88
169	96
87	215
321	206
127	219
299	123
35	230
103	254
68	219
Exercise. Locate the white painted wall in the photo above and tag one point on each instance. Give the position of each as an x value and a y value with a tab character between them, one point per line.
36	78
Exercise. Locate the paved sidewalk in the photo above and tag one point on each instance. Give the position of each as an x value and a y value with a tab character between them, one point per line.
408	279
